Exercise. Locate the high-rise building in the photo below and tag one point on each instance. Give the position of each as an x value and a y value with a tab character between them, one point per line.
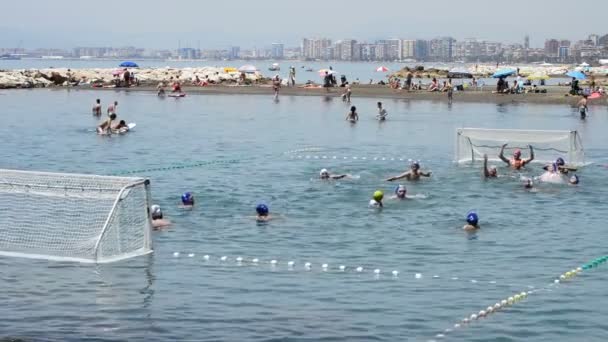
551	47
408	49
526	48
564	42
393	49
595	39
347	48
234	53
421	50
277	51
441	49
316	48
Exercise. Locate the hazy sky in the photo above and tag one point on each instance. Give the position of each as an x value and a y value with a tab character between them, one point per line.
219	24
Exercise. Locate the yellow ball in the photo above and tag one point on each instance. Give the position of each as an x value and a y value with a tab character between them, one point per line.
378	195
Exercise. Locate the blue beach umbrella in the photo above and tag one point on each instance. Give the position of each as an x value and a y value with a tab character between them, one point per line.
128	64
576	74
503	73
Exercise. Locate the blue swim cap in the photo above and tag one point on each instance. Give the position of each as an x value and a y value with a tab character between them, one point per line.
560	161
187	198
472	218
262	209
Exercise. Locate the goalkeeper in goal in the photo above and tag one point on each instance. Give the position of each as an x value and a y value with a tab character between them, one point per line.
516	162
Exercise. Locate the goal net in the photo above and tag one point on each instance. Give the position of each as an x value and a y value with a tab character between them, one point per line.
71	217
473	143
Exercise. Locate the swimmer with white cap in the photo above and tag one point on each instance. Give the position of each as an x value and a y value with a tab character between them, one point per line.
472	222
324	174
158	222
528	184
516	162
400	193
574	180
376	201
490	172
413	174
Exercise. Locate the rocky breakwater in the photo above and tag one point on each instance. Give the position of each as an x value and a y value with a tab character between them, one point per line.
40	78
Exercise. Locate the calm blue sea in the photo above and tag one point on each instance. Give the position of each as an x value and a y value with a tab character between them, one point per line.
526	241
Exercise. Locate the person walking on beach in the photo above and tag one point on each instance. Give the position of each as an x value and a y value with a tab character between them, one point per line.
276	85
582	106
292	76
97	108
450	90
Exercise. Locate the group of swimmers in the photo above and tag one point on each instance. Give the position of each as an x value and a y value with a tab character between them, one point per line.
353	116
106	127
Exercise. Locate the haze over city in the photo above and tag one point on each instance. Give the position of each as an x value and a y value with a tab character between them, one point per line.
69	23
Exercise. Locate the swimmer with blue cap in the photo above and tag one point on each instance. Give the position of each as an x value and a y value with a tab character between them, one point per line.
187	199
324	174
561	165
263	213
413	174
376	201
472	222
158	221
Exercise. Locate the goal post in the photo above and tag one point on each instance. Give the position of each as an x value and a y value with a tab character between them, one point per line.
473	143
73	217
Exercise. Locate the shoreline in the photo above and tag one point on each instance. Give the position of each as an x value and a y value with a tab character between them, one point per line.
555	94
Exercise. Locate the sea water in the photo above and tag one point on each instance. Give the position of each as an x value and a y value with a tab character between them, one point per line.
186	290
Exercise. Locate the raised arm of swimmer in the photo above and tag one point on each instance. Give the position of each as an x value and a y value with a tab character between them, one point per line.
531	155
502	155
486	172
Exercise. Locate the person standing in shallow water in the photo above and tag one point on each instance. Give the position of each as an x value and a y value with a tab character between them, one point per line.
97	108
352	116
276	85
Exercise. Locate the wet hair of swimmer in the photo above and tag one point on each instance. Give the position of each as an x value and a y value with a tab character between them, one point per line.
157	213
472	218
262	209
528	184
187	198
113	116
379	104
353	109
560	161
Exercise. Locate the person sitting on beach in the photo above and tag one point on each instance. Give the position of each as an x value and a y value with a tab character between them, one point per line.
516	162
490	172
197	81
112	108
444	87
97	108
325	175
106	125
177	87
574	88
158	221
413	174
434	85
382	114
352	116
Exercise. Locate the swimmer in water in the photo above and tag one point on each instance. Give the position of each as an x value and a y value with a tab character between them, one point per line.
413	174
400	192
573	180
112	108
187	200
376	201
97	108
472	222
324	174
106	126
352	116
382	114
158	221
516	162
263	213
561	164
120	127
582	107
528	184
490	172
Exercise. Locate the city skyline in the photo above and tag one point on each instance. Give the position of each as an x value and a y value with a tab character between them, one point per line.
69	23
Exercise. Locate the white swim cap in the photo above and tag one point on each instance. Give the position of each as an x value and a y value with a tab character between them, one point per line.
156	212
323	172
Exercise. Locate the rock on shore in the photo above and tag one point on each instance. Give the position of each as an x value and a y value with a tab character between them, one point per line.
40	78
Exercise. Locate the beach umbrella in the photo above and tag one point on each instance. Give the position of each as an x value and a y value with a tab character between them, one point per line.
117	72
230	69
128	64
382	69
248	69
503	73
576	74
